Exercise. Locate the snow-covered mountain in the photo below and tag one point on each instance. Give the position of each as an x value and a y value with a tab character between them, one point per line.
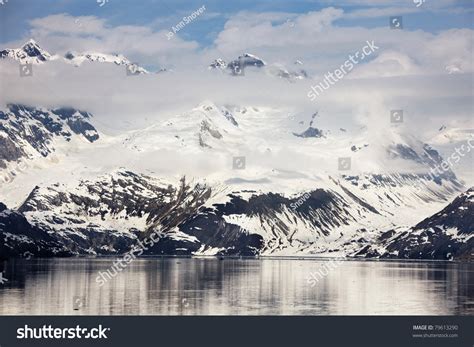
71	189
79	58
32	53
445	235
456	146
231	213
110	213
21	239
237	67
27	133
218	64
206	126
29	53
244	61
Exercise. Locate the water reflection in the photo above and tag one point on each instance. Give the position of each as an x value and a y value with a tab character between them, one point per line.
173	286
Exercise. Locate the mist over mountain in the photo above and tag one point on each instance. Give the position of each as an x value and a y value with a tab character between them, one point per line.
117	133
88	200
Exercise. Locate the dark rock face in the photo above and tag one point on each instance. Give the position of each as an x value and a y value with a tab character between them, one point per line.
244	61
29	52
173	212
79	126
210	227
33	50
112	214
355	148
18	238
78	122
310	132
459	214
207	128
23	127
69	55
8	151
445	235
177	213
384	181
429	156
237	67
321	210
214	232
230	117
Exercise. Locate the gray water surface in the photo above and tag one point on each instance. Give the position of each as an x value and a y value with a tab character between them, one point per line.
195	286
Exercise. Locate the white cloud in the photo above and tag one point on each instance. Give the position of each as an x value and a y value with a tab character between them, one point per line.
277	37
408	71
62	32
271	30
322	45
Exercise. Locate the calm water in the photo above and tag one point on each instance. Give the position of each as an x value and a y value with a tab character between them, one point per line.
173	286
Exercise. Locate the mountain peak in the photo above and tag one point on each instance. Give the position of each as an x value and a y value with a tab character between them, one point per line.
251	59
118	59
30	52
236	67
30	42
218	64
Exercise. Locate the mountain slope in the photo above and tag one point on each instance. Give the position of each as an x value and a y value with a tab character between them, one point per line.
446	235
259	210
238	66
80	58
110	214
29	53
32	53
28	132
19	238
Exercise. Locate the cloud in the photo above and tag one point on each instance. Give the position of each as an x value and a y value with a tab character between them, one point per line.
408	71
62	32
252	30
316	38
322	44
67	25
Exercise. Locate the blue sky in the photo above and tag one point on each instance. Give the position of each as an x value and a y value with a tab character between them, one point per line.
16	14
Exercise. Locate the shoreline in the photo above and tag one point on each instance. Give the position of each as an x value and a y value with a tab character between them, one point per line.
264	257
